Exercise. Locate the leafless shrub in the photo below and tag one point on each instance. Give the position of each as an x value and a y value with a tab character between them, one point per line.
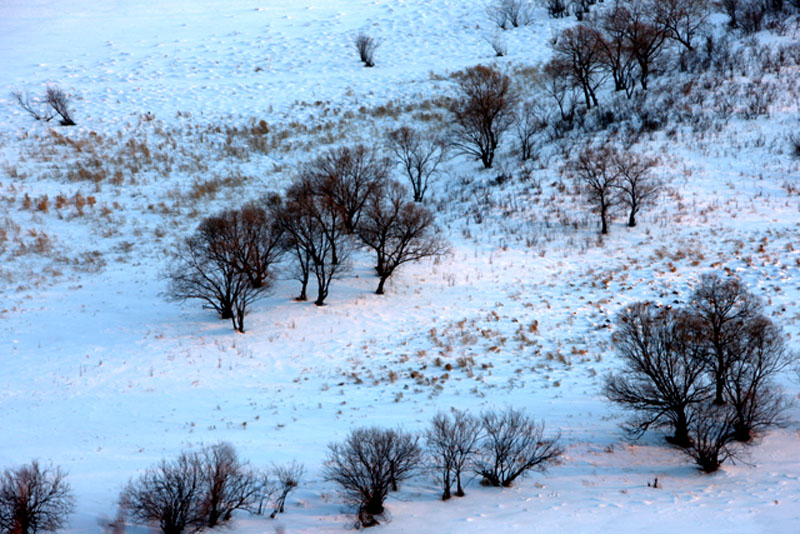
398	231
58	100
711	435
419	155
732	8
366	466
555	81
451	443
751	16
513	444
556	8
663	369
682	19
32	107
794	145
498	43
169	494
366	47
482	111
34	499
288	479
510	13
529	120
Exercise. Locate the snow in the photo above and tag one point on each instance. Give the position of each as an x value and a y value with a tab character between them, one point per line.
103	376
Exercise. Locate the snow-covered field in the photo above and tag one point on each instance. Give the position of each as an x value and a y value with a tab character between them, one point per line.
103	376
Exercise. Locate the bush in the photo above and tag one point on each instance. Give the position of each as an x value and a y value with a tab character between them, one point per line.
368	464
366	47
169	494
194	491
513	444
33	499
288	478
56	102
510	13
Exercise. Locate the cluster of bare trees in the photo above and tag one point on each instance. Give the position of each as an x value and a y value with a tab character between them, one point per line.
499	447
341	200
609	178
622	42
704	371
202	490
55	102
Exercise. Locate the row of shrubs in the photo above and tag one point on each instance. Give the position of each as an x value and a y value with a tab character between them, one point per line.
202	490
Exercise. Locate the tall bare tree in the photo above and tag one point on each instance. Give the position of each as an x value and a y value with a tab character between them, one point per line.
483	110
452	443
420	156
399	232
580	48
598	177
663	372
637	186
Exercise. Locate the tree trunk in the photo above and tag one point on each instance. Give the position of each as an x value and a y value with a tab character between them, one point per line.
382	281
459	489
632	218
681	436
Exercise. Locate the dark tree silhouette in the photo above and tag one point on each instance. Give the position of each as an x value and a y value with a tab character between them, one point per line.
512	445
750	390
228	484
636	184
598	177
682	19
723	307
58	100
452	442
663	372
711	435
169	494
288	478
226	263
398	231
366	47
419	155
314	224
34	499
483	111
366	465
580	48
529	120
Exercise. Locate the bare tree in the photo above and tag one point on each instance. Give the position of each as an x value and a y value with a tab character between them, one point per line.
314	224
452	442
34	499
365	466
288	478
529	120
637	186
482	111
644	37
224	264
169	494
261	241
399	232
617	58
732	8
555	81
599	179
348	177
32	107
228	484
579	48
512	445
366	47
663	373
750	390
682	19
58	100
722	308
510	13
419	155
